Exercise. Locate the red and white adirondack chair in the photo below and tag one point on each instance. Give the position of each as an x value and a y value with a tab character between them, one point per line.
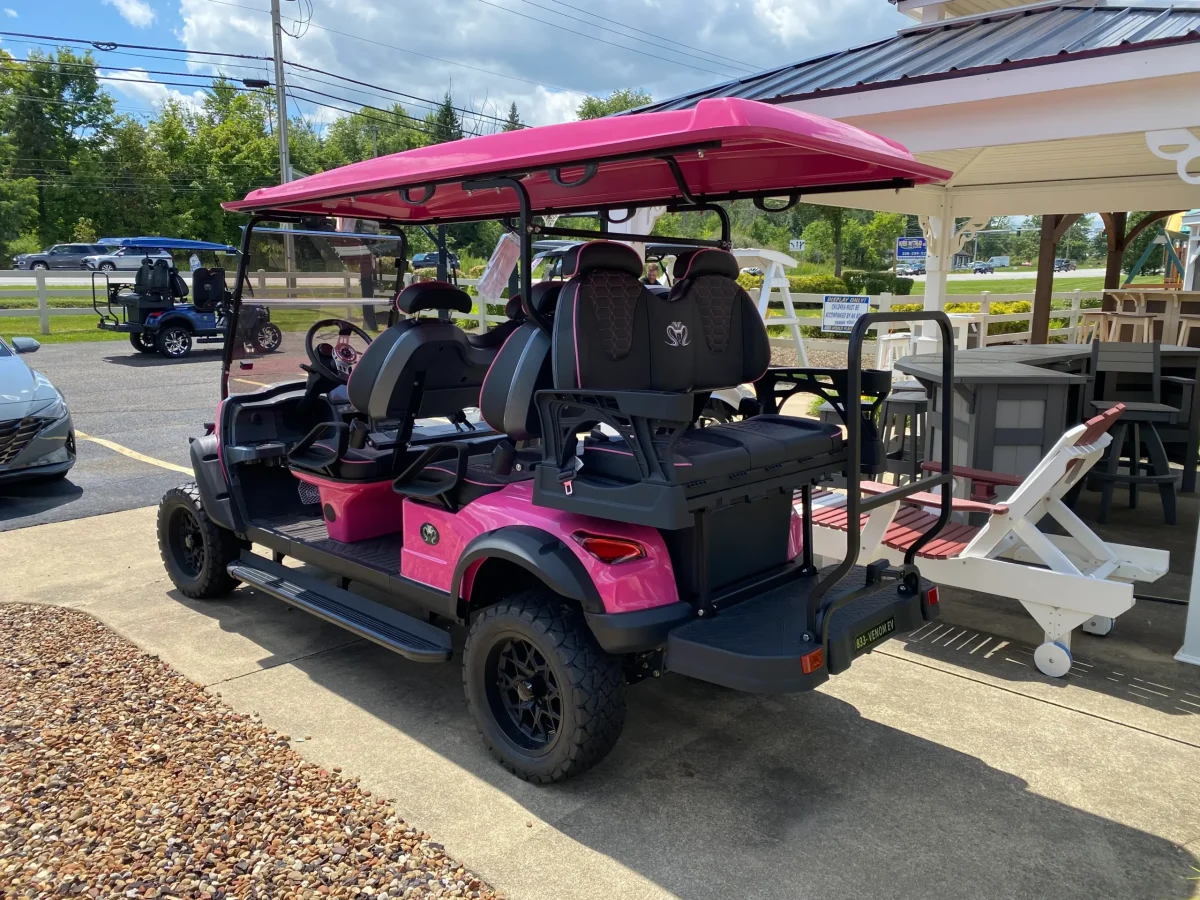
1064	581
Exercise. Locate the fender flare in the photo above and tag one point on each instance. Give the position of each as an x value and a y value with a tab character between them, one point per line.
172	318
541	554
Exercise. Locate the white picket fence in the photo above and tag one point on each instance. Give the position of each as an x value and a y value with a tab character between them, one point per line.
277	285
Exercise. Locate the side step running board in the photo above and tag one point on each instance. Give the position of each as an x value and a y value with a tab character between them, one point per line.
410	637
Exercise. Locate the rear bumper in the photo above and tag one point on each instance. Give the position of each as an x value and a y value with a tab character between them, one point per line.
761	645
634	632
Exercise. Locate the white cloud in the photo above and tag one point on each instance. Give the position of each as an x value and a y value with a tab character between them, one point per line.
11	13
137	13
490	58
140	85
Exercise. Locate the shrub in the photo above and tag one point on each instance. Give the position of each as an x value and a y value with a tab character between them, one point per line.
424	275
861	282
817	284
476	271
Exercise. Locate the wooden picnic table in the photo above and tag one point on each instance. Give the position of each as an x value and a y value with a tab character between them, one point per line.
1013	402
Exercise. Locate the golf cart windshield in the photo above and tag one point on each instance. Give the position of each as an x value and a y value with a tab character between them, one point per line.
342	279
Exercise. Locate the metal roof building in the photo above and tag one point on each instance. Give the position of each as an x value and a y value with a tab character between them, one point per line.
1008	39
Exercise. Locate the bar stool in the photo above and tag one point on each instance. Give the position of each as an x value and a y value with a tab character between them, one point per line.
1138	319
1186	324
891	347
902	429
1093	325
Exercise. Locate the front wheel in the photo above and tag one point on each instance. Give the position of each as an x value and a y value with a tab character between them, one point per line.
268	337
39	265
547	700
107	267
143	342
195	550
174	342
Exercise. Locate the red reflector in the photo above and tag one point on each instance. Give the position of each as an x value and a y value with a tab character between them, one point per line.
810	662
610	550
931	598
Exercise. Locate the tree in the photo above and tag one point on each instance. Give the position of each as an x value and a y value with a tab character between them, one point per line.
84	231
618	101
444	123
819	240
882	231
1154	262
1077	242
513	122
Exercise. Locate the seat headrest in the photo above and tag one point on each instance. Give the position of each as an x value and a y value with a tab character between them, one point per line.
601	255
545	299
432	295
705	261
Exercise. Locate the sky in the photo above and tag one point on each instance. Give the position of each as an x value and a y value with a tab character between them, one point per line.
544	55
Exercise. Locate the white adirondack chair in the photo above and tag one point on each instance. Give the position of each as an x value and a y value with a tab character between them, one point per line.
1063	581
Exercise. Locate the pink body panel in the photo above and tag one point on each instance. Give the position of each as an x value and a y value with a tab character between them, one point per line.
762	147
624	587
361	510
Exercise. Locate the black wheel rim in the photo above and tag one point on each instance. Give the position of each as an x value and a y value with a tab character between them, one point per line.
523	694
146	340
268	337
187	542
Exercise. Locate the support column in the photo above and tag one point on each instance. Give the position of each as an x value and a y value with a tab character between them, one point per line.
1115	224
1053	228
939	243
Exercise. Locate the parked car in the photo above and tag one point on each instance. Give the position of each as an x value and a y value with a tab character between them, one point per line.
124	258
37	439
1000	261
1064	265
910	269
983	268
430	260
60	256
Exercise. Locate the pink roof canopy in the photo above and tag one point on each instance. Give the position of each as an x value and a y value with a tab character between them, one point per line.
724	147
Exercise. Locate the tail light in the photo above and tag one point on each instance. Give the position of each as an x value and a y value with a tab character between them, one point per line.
931	596
609	550
812	661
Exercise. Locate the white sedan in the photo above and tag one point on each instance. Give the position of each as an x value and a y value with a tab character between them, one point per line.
125	258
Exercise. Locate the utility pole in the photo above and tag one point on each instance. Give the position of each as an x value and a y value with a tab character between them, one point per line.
285	163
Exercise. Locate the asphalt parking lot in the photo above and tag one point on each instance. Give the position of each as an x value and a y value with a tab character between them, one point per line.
144	404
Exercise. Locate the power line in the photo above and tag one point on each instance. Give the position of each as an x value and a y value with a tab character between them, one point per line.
592	37
385	90
113	45
652	34
657	42
97	66
449	62
415	127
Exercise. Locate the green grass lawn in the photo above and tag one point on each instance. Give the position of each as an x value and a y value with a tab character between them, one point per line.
1026	285
63	329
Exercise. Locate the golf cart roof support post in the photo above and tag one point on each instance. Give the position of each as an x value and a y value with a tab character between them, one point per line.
526	236
697	204
236	304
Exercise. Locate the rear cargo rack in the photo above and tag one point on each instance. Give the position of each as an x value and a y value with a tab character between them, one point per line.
819	617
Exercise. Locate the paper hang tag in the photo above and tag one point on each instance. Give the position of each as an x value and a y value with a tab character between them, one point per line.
495	277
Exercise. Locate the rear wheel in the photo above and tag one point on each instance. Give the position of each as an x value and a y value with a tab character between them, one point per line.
174	342
268	337
194	548
547	700
143	342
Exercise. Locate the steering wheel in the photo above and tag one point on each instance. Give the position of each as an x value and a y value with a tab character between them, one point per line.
335	361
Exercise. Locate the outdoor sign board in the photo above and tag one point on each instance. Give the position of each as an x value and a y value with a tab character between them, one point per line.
910	248
796	245
839	313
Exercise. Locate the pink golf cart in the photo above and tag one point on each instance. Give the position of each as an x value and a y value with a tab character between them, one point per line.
585	530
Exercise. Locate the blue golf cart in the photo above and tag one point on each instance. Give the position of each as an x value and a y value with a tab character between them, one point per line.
154	309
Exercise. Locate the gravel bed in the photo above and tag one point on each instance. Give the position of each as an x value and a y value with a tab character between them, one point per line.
121	778
821	354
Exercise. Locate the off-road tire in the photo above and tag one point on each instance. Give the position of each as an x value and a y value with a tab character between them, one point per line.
208	579
143	342
591	685
173	341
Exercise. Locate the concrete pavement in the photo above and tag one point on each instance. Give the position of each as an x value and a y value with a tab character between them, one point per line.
919	774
